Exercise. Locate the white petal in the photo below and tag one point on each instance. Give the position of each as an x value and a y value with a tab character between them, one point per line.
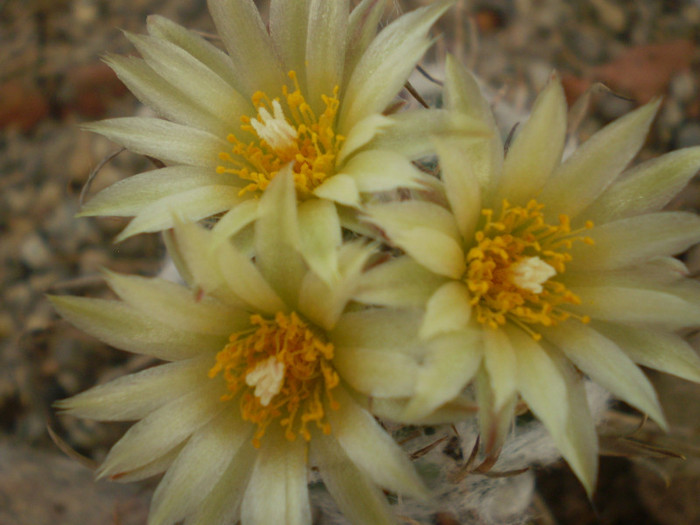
155	467
277	241
501	364
134	396
163	140
636	239
200	465
163	430
176	306
186	206
593	166
645	188
248	44
371	449
325	48
537	147
376	373
320	238
604	362
664	351
450	364
391	56
277	492
360	500
126	328
449	309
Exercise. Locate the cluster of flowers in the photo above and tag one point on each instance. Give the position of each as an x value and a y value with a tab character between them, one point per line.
340	283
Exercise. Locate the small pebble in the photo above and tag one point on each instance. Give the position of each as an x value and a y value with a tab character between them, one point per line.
34	252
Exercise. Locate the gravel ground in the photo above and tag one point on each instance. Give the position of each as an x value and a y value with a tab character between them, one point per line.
52	80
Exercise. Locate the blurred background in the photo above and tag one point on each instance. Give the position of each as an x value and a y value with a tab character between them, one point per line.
52	80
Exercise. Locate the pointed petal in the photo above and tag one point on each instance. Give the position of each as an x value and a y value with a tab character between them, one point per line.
126	328
593	166
391	56
234	221
186	206
537	147
362	28
340	188
277	492
163	140
376	373
320	238
289	23
360	500
494	425
325	48
134	396
371	449
645	188
248	44
452	361
501	365
604	362
449	309
377	170
661	350
277	240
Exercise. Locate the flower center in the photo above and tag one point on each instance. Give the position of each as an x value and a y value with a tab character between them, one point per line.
281	369
284	132
511	272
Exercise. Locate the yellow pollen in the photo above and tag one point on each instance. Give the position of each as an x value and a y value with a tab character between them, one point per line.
279	369
512	269
283	132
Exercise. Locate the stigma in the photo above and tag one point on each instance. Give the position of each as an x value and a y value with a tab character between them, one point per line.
530	272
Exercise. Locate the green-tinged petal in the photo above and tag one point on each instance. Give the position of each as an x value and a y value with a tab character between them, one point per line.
645	188
126	328
433	249
494	425
165	98
463	95
132	195
371	449
199	466
209	55
376	373
579	445
325	49
379	329
659	271
604	362
186	206
636	239
134	396
363	132
362	28
661	350
246	282
163	430
461	184
593	166
360	500
409	132
234	221
537	148
450	364
391	56
248	44
400	282
277	491
155	467
636	305
176	306
277	242
377	170
288	27
449	309
193	78
163	140
222	504
393	409
501	365
320	237
341	189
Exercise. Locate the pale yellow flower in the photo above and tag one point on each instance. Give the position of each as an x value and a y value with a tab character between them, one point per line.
536	268
309	92
263	358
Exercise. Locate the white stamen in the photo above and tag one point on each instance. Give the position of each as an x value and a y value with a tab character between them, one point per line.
267	378
275	130
530	272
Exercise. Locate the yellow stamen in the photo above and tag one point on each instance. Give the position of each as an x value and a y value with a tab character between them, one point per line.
283	133
512	269
281	369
